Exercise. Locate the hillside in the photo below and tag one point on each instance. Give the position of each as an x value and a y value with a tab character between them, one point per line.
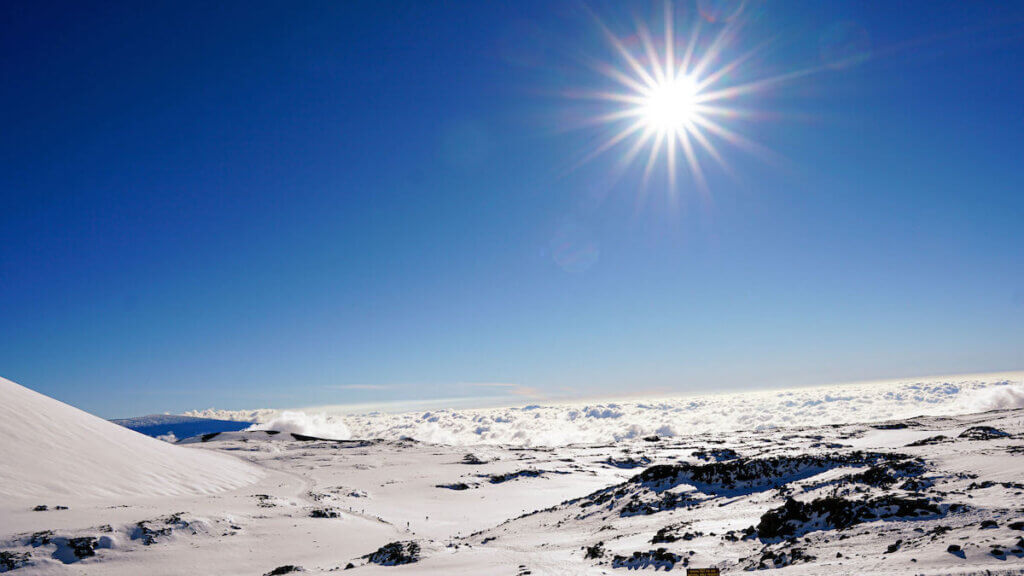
51	450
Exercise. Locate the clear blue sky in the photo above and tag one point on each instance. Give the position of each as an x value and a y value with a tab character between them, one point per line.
289	203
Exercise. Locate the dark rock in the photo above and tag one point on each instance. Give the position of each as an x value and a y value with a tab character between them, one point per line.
644	504
916	485
953	548
887	473
795	518
395	553
151	531
323	513
670	534
717	454
628	462
286	569
83	547
595	551
530	473
13	560
660	558
754	474
149	534
41	508
929	441
989	524
781	558
983	433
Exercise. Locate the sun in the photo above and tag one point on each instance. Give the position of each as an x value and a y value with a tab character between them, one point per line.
672	98
670	105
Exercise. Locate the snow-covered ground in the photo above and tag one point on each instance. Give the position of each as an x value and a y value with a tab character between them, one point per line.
939	494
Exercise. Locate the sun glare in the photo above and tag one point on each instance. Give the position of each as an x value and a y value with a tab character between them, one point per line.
669	106
673	98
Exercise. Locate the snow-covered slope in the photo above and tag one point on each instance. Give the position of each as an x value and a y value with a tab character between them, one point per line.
49	449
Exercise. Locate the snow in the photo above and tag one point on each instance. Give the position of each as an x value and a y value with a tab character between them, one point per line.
52	450
861	498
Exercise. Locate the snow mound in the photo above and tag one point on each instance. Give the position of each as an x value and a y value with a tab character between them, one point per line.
51	449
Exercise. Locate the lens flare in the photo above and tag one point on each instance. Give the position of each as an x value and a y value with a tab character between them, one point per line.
675	96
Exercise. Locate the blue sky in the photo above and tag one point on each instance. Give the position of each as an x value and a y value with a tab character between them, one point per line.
286	204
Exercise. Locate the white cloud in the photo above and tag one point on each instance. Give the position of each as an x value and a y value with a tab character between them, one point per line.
593	422
319	425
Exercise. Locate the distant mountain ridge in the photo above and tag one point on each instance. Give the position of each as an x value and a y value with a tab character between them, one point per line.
157	425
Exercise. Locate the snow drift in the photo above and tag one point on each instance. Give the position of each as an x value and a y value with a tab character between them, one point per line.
50	449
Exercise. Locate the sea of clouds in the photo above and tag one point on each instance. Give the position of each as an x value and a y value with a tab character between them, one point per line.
610	421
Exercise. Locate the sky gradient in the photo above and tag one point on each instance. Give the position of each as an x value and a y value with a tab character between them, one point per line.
287	204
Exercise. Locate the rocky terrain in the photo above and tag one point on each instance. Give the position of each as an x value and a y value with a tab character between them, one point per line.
925	495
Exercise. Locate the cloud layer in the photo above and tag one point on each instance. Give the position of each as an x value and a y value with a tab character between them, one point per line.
317	424
596	422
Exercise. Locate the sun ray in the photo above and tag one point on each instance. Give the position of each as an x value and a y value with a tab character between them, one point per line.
737	140
757	85
691	160
626	55
655	149
606	96
706	144
670	164
609	144
617	115
676	98
684	66
726	111
626	80
634	150
651	52
670	41
710	79
717	45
